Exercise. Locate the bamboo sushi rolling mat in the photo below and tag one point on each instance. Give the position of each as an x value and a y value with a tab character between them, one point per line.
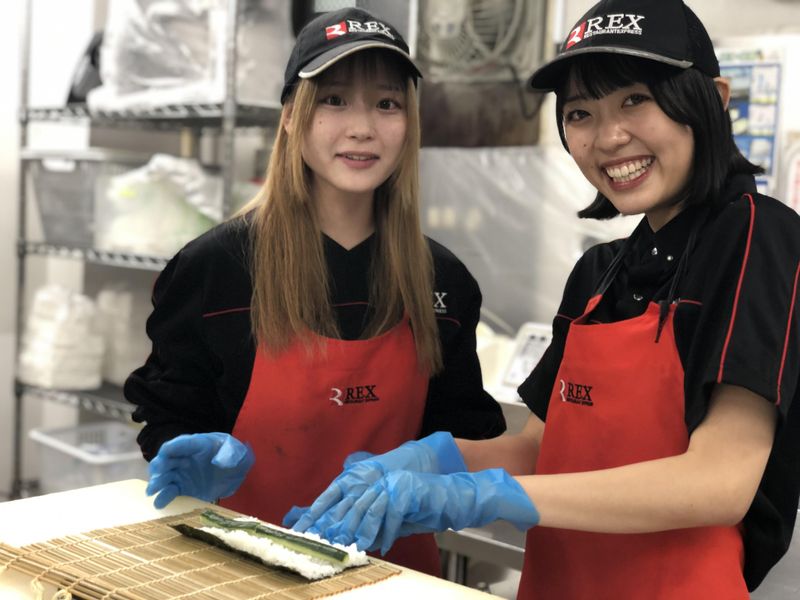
152	561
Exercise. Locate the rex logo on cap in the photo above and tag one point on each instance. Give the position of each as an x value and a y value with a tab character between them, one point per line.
349	26
608	24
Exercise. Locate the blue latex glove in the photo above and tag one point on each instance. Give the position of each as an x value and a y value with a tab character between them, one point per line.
207	466
404	503
436	453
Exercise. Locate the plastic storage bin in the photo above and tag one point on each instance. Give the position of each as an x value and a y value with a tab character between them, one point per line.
65	184
90	454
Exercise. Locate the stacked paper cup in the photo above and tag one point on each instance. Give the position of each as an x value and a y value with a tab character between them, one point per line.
61	347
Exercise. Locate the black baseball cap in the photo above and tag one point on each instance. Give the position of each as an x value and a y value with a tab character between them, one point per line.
666	31
332	36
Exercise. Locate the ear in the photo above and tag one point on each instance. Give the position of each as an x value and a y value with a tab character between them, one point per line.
286	120
724	88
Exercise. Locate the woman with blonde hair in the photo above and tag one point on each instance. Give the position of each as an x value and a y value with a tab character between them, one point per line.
319	320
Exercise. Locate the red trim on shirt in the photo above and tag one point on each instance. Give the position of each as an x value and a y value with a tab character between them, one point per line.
456	321
226	311
697	302
570	319
788	331
738	287
351	304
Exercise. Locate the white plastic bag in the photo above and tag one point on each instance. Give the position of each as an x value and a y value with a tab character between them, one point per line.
162	52
158	208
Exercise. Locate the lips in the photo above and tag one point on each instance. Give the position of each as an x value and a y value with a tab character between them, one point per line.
358	156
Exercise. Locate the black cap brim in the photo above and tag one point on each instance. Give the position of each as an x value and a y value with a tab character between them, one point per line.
550	76
334	55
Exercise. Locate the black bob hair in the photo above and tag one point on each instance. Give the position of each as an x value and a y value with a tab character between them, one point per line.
686	96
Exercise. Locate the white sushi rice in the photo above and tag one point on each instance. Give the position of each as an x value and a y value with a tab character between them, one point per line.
271	553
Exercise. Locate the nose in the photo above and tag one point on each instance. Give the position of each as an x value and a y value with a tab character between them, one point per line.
612	134
361	124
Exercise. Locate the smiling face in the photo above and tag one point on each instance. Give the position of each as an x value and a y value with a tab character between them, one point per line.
357	133
630	150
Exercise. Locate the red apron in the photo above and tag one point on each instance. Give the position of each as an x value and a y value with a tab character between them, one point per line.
619	399
305	411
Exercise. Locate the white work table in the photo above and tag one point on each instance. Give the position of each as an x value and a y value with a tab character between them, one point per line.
50	516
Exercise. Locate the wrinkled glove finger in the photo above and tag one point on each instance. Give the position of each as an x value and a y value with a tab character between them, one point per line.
344	532
332	520
162	464
392	524
189	445
369	533
167	495
294	515
231	454
356	457
158	482
319	507
159	479
181	473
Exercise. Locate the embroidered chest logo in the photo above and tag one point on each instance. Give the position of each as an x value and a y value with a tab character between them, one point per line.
354	395
608	24
576	393
439	306
350	26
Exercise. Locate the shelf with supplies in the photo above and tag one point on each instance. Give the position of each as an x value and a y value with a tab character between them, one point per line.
94	256
173	116
65	209
107	400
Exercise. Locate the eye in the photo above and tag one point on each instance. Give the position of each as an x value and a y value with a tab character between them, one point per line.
332	100
573	116
389	104
635	99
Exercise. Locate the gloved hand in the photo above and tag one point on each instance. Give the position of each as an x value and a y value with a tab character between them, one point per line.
207	466
436	453
404	503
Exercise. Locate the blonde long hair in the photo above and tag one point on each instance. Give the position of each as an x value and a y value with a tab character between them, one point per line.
291	287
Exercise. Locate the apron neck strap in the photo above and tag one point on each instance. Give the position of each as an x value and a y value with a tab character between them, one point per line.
680	270
616	263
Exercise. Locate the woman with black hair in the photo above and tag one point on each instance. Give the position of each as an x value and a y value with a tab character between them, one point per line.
662	456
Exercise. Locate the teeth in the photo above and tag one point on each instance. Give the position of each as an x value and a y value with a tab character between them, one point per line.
630	171
353	157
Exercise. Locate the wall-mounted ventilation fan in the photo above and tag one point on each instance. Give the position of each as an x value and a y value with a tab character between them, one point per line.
480	40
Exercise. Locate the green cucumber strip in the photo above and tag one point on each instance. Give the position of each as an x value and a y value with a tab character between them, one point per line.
297	543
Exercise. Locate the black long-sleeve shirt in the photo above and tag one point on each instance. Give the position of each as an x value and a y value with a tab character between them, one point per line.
198	373
737	323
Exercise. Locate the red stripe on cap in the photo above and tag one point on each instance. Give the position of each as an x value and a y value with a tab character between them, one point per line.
738	287
788	331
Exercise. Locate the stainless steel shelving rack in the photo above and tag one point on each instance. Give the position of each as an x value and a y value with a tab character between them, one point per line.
225	117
